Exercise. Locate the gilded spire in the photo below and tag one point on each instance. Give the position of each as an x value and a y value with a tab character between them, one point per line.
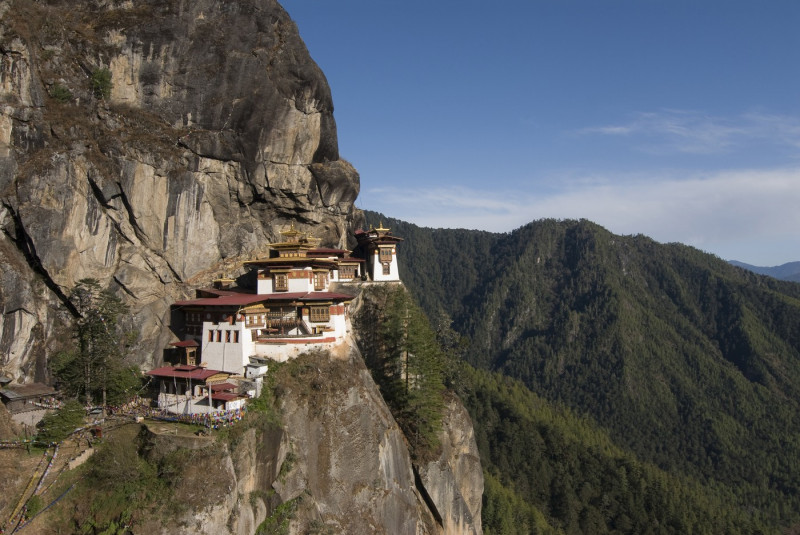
291	235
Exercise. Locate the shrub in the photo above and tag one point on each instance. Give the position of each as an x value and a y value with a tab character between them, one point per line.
265	403
101	83
278	522
122	485
60	93
33	506
58	425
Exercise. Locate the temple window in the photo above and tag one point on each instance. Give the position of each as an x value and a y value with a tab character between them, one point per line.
254	320
347	272
386	254
281	282
319	281
320	313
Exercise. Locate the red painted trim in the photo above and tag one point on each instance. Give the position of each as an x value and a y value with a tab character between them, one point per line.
297	340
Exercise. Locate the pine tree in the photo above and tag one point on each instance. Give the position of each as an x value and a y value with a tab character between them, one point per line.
413	370
96	366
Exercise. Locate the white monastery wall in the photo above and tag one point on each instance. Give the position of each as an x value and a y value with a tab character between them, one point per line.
377	269
284	352
225	347
301	281
183	404
264	286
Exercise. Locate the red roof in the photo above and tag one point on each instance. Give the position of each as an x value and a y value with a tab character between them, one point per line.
306	296
249	299
220	387
326	296
226	396
185	343
224	300
184	372
284	296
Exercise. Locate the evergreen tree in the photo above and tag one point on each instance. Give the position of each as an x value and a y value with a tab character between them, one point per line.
96	365
407	364
58	425
415	367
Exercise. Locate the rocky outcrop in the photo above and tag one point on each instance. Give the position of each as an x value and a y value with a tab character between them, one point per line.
449	478
453	481
352	469
225	486
153	145
337	463
215	132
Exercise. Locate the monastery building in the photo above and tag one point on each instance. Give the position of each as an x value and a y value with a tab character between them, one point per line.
287	306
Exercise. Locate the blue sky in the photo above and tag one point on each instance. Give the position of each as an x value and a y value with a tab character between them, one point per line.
675	119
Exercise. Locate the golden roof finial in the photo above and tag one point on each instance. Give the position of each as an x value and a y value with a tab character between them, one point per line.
291	234
381	229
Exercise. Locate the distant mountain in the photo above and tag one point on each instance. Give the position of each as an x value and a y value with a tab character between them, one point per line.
687	362
788	272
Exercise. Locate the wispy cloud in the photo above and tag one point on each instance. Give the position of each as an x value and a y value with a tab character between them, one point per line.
693	132
780	128
726	213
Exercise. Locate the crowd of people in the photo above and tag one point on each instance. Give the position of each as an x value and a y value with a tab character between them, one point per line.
215	420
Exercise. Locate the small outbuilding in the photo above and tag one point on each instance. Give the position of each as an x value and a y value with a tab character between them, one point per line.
30	397
186	389
28	403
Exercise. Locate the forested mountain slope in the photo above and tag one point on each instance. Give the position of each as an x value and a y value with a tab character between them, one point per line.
552	471
689	363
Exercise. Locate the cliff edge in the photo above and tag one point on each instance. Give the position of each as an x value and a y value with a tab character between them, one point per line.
324	456
152	145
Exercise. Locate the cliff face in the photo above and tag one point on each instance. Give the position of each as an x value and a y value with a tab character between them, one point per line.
215	131
454	480
337	463
352	469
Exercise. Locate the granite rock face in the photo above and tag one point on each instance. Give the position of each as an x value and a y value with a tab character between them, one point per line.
336	463
351	469
215	132
154	145
454	480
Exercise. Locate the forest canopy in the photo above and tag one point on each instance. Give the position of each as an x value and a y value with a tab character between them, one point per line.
689	366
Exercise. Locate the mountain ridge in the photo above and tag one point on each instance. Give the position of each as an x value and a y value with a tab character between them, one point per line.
687	361
790	271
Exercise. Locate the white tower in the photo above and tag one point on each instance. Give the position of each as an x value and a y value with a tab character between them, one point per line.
379	248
